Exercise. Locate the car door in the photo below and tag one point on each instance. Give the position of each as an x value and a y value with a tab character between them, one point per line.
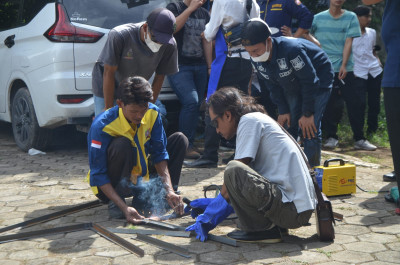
9	13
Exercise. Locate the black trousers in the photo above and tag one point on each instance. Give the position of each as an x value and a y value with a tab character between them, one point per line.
392	109
122	158
354	97
236	72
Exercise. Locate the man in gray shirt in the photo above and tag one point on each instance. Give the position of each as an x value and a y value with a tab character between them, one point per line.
135	49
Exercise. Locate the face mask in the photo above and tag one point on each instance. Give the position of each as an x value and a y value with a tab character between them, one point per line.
154	47
262	58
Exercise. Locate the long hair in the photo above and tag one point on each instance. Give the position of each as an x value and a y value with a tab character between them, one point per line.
235	101
135	90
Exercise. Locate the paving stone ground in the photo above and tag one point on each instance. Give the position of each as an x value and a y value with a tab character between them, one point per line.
32	186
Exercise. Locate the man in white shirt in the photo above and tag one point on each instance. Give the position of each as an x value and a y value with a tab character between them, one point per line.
231	66
367	69
268	184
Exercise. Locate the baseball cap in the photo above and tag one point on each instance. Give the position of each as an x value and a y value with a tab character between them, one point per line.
162	24
254	31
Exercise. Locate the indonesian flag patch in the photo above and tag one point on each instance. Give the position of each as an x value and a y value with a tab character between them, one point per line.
96	144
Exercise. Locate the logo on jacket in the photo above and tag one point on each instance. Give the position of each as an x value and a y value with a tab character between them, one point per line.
282	64
147	134
297	63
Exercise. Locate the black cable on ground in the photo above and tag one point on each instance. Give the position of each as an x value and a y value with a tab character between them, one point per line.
371	190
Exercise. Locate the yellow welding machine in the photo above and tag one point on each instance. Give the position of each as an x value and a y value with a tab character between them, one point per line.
336	179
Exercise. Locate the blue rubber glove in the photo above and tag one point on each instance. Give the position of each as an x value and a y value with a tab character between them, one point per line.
215	213
197	206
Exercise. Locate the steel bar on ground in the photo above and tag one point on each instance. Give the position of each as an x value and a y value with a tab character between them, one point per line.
164	245
52	216
222	239
159	224
149	232
45	232
117	240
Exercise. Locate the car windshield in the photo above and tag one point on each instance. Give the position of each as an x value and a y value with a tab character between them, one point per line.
111	13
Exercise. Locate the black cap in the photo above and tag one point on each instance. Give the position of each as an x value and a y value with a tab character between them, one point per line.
163	24
254	31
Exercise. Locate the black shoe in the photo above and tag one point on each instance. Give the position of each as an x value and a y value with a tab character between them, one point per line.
200	163
268	236
228	159
389	176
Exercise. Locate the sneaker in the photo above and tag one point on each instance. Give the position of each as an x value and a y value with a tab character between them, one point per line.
364	145
269	236
200	163
191	153
331	143
389	176
114	211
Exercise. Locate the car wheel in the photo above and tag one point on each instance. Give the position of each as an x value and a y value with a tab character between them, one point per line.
26	130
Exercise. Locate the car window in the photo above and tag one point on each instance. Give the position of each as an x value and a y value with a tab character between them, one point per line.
111	13
9	11
15	13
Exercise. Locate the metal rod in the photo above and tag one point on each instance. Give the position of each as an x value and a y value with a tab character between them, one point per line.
149	232
222	239
117	240
52	216
159	224
164	245
45	232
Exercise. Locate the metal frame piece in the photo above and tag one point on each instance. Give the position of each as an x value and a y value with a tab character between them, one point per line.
149	232
52	216
164	245
222	239
160	224
45	232
117	240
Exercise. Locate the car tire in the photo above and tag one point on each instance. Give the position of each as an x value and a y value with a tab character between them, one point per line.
27	132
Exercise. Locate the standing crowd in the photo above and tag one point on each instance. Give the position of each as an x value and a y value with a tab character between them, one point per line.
257	73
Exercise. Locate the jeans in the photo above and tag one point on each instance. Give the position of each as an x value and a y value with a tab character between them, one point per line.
392	110
312	147
190	85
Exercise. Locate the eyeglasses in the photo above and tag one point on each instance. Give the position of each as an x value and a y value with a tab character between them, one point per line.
214	122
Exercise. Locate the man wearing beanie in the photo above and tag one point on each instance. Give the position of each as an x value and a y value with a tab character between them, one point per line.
299	75
135	50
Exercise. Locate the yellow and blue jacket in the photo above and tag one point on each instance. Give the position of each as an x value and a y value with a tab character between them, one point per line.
148	138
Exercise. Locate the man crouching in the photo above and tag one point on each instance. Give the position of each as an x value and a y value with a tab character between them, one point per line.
123	142
268	184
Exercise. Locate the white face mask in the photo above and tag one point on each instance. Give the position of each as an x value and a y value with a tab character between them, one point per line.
263	57
154	47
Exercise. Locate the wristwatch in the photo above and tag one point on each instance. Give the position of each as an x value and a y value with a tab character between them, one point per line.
307	113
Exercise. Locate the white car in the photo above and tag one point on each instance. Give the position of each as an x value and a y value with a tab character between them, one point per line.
47	50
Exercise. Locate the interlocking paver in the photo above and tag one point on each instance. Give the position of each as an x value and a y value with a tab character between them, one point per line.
33	186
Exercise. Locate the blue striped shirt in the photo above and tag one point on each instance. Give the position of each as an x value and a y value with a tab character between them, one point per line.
332	34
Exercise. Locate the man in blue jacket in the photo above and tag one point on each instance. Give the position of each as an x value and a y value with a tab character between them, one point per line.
123	143
299	76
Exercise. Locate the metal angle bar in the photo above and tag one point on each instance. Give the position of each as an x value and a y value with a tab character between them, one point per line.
164	245
159	224
52	216
223	240
117	240
45	232
149	232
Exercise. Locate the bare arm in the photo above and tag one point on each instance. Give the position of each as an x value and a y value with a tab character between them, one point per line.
109	85
207	48
299	32
311	38
346	56
175	201
156	86
132	216
371	2
183	17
